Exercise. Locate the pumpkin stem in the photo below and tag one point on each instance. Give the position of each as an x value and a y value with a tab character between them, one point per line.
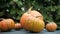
30	9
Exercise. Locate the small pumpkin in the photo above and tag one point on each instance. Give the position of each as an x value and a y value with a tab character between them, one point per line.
32	20
7	24
11	23
4	26
51	26
17	26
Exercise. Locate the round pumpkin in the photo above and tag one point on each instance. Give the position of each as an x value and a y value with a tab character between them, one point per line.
7	24
17	26
32	20
51	26
4	26
11	23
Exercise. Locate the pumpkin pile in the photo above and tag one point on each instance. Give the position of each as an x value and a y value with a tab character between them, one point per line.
51	26
7	24
32	20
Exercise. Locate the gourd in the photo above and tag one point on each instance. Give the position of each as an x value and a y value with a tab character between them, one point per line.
32	20
51	26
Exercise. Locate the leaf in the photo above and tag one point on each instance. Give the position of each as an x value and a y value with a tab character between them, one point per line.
37	6
45	15
1	14
19	3
13	11
15	0
18	18
47	0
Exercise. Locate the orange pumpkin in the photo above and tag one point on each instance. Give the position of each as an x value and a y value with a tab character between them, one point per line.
11	23
32	20
17	26
51	26
4	25
7	24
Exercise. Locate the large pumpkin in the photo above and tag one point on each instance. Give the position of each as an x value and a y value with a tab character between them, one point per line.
6	24
51	26
32	20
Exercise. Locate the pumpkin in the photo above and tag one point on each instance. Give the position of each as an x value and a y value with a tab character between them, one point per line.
17	26
51	26
32	20
11	23
7	24
4	25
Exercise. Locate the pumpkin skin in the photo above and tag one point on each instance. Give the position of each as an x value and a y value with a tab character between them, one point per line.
51	26
17	26
7	24
32	21
36	14
11	23
4	26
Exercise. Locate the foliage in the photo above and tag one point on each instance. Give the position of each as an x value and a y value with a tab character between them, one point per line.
14	9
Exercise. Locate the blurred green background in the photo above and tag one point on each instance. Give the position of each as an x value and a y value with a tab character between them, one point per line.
14	9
